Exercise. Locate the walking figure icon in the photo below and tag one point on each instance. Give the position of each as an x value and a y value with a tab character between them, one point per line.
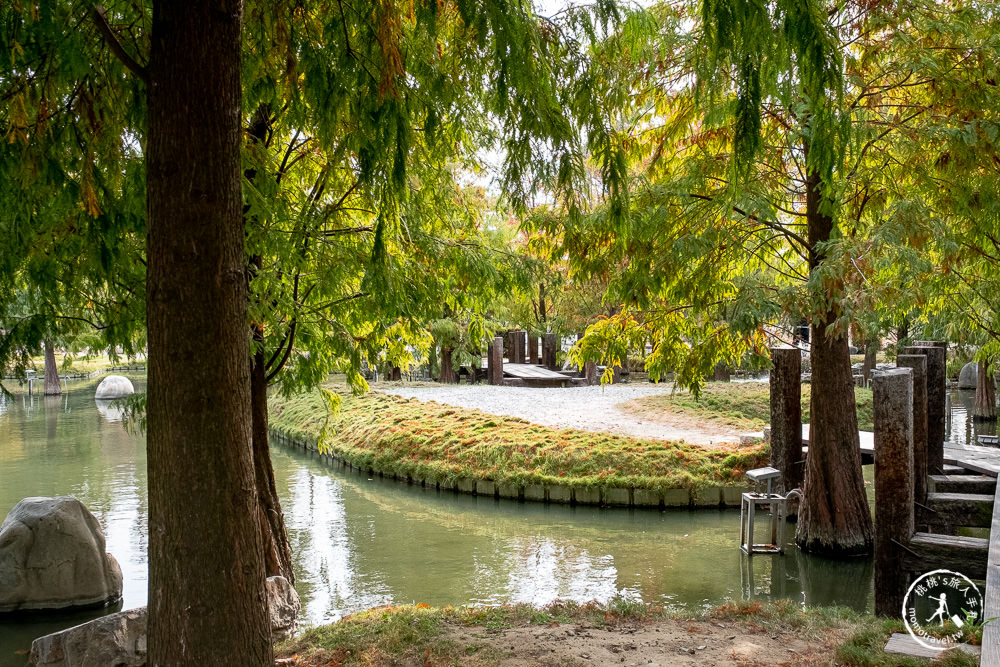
942	610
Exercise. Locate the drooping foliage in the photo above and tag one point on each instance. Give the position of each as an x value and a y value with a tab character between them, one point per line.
363	121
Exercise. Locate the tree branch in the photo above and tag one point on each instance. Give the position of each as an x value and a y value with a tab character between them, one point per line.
100	16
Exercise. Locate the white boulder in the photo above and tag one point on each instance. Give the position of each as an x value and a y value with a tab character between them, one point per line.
52	557
114	386
968	375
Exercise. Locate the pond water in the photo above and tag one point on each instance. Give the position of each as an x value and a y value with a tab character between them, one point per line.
959	426
361	542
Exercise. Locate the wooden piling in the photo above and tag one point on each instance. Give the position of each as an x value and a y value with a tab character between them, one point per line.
936	353
918	364
517	347
786	417
496	361
893	406
533	356
549	347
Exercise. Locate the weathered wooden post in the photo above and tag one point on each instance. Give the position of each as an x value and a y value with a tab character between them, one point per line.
918	364
936	353
786	417
893	404
517	347
549	347
533	356
496	361
590	372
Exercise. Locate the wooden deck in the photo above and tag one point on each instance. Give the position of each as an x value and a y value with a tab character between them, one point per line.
533	375
977	458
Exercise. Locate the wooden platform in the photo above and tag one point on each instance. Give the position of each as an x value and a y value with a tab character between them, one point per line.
991	596
536	376
976	458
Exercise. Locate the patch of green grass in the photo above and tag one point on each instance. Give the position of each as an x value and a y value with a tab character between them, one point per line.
744	406
866	648
428	440
373	637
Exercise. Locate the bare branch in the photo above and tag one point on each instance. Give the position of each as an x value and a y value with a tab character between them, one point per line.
100	16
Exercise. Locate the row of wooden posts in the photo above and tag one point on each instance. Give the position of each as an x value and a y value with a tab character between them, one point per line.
524	349
914	526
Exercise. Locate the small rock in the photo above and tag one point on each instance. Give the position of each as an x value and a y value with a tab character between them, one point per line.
702	647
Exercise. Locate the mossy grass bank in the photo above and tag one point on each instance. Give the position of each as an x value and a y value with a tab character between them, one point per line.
743	406
429	441
419	634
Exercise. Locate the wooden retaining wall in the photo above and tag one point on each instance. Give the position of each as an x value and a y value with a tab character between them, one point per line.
711	497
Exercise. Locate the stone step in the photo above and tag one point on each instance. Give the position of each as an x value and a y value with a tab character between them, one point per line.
946	511
962	484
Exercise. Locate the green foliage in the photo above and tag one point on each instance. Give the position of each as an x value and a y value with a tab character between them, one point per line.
427	440
361	121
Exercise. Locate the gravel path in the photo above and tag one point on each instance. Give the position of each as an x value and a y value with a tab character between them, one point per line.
587	408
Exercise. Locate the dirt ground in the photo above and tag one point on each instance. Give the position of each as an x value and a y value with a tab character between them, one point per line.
662	643
588	408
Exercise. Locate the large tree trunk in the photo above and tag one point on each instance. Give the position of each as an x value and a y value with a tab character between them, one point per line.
274	537
52	386
834	518
206	571
447	374
986	397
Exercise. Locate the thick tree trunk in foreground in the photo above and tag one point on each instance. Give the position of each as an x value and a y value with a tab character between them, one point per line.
206	572
834	518
52	386
986	395
276	548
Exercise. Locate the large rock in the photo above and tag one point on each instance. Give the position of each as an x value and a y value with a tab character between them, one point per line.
114	386
120	639
282	607
116	639
968	375
52	557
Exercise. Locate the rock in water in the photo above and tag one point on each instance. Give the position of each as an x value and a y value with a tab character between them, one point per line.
114	386
52	557
116	639
968	375
120	639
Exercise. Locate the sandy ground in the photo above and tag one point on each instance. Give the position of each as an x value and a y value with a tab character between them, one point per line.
587	408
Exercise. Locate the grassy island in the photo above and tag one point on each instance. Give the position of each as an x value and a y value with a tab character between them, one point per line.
431	441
